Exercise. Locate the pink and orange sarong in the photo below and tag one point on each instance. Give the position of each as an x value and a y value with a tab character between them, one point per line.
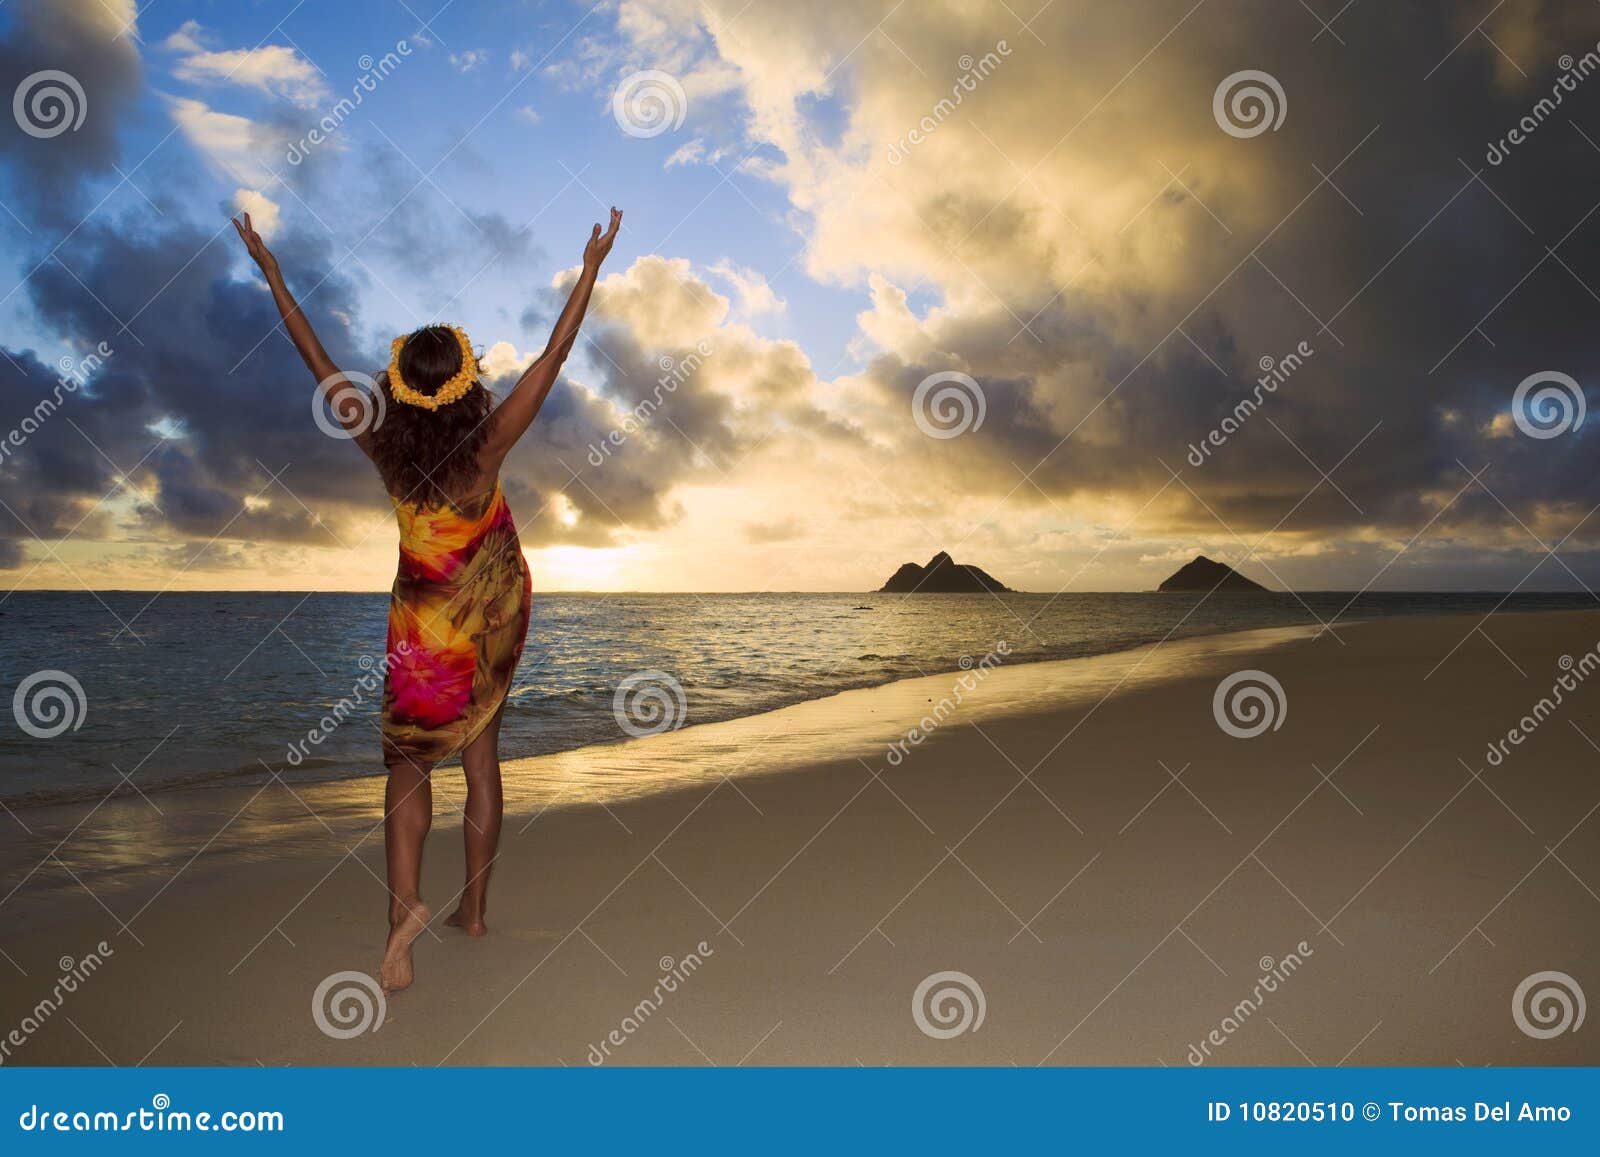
458	618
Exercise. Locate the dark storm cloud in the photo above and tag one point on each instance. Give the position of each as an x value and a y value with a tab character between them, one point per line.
613	461
207	408
1092	389
45	176
201	363
197	422
1099	394
193	421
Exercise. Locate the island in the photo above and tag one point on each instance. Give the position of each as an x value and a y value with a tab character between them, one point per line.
941	576
1205	575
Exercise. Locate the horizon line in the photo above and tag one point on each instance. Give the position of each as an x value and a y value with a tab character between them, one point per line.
589	591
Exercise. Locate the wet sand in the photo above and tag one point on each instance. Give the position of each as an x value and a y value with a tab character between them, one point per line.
1121	880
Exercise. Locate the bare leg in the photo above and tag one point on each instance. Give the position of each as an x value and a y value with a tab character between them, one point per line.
408	813
480	825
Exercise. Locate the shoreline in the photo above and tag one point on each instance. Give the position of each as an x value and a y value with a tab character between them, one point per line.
1080	838
338	768
531	780
245	777
839	724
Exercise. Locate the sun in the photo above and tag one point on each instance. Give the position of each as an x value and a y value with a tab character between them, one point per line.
584	568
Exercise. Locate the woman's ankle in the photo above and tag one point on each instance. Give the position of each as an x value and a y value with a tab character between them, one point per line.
401	906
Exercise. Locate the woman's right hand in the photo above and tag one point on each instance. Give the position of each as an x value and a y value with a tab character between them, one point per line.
257	248
599	247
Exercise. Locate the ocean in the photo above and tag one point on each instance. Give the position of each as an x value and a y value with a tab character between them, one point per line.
222	687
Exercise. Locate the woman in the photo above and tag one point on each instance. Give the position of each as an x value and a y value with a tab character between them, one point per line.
458	614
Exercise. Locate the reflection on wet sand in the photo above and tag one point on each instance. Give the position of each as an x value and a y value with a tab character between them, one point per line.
139	842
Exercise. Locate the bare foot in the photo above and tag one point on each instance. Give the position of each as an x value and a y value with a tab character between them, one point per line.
472	926
396	971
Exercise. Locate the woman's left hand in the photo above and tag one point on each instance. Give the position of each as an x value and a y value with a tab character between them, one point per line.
255	246
599	247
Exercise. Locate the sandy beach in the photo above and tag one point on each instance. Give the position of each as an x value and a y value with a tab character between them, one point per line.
1111	872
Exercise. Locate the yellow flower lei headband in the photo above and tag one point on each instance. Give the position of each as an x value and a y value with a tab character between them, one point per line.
452	390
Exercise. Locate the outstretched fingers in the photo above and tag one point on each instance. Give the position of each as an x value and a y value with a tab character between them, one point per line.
247	234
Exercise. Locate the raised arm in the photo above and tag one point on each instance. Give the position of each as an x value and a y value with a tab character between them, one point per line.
514	415
329	378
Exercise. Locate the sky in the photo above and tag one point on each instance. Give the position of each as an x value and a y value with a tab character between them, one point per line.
1073	291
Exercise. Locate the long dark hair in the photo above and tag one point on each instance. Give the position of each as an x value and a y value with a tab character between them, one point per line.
425	456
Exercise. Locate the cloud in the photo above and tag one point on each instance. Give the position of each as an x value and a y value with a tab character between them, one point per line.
1111	266
236	146
502	361
659	299
1107	264
262	209
94	43
783	530
189	37
468	60
755	294
430	230
689	153
206	410
194	439
275	70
